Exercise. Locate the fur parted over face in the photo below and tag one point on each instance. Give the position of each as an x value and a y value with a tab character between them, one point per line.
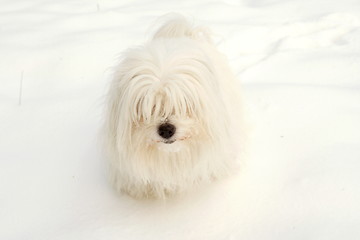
162	83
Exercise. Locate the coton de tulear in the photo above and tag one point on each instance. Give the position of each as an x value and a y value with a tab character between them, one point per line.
174	118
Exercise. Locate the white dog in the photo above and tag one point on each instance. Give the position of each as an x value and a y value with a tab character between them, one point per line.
173	117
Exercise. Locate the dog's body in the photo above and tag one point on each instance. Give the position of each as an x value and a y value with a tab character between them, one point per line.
173	119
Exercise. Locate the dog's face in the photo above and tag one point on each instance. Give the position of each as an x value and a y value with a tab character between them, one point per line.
167	101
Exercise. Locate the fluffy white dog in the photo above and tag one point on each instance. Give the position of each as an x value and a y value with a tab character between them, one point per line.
173	117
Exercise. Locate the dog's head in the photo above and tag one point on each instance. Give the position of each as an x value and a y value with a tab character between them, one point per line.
166	97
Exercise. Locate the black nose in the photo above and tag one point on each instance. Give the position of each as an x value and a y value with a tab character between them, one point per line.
166	130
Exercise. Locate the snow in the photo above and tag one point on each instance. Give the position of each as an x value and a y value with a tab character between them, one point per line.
299	64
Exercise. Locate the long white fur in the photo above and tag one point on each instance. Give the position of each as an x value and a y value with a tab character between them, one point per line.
177	77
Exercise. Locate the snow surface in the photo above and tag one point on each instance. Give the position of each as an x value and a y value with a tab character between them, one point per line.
299	62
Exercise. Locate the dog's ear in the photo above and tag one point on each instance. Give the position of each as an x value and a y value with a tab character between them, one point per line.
178	27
